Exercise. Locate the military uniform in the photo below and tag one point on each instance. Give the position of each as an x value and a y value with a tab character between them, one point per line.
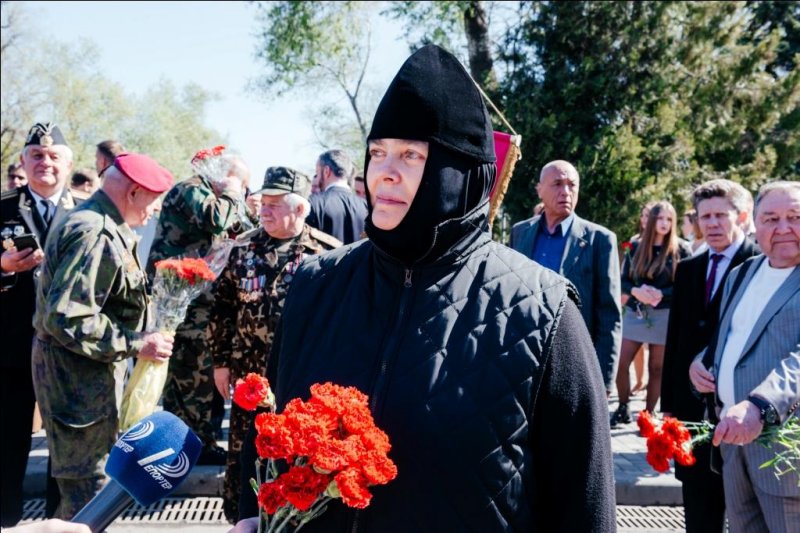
19	215
248	300
91	311
192	216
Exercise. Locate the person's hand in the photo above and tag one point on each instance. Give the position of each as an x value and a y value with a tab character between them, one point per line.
641	294
740	425
701	378
248	525
253	204
655	295
53	525
14	260
230	185
222	379
157	346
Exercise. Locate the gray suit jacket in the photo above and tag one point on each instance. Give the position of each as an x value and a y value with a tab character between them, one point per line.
769	365
591	263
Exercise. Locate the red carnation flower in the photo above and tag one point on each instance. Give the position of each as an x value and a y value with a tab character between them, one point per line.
352	485
301	486
251	391
645	423
378	469
270	496
627	246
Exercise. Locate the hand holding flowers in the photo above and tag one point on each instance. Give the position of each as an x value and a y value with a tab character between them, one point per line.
176	284
330	444
673	439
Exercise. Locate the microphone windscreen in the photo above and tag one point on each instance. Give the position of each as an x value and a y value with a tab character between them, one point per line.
153	457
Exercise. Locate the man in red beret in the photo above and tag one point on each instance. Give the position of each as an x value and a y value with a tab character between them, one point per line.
90	312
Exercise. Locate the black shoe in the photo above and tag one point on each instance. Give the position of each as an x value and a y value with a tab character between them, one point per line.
215	456
621	416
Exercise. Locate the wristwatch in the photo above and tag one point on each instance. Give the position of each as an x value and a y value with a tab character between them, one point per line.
769	415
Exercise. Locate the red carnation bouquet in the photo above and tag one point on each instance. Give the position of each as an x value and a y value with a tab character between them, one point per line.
332	448
211	164
177	282
674	439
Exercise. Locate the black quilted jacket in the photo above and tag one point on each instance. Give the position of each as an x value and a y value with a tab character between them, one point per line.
453	355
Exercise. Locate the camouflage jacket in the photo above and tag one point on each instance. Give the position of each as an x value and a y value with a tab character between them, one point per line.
249	296
91	296
192	215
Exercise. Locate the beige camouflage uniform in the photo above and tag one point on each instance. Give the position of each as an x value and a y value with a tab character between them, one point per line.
248	301
91	310
192	216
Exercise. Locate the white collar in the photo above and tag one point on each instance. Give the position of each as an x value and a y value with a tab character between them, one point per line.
52	199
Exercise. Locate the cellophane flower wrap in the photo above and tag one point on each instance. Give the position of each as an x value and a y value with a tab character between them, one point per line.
674	439
328	448
211	164
177	282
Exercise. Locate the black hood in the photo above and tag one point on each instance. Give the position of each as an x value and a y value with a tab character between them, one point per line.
433	99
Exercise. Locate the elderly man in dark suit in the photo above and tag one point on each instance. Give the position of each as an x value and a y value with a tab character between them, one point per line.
30	209
336	210
721	208
752	367
583	252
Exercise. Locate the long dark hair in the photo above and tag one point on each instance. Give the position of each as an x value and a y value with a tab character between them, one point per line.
646	265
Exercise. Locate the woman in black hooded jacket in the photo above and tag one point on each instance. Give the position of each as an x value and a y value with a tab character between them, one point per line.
476	360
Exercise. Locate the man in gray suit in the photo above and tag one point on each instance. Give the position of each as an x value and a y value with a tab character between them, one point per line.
583	252
754	361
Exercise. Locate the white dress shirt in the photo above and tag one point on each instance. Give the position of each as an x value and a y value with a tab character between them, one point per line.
762	287
53	200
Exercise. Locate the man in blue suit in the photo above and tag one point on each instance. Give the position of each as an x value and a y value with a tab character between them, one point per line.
583	252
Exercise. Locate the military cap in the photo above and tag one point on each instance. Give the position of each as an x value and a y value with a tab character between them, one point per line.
283	180
144	171
46	134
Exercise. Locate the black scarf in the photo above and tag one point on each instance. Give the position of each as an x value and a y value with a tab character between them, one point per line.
433	99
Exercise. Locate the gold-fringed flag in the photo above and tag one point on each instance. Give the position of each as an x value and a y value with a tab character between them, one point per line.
506	146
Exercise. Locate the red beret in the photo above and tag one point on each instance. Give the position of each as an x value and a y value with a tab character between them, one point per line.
144	171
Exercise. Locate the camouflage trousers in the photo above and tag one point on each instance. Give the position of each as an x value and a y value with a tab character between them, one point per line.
239	426
189	390
76	493
240	422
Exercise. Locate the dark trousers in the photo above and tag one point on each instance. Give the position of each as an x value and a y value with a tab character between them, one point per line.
703	495
16	391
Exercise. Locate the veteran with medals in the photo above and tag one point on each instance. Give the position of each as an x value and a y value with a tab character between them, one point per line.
26	215
91	309
249	296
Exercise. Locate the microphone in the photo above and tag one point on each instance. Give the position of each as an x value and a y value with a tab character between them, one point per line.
146	464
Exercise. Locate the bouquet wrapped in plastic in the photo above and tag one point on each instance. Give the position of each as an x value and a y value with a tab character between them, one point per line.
177	282
330	445
210	164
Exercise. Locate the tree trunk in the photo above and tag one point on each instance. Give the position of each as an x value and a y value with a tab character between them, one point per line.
481	64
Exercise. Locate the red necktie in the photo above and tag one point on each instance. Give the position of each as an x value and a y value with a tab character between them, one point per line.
715	259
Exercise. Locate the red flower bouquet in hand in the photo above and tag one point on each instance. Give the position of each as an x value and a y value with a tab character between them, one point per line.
673	439
177	282
333	449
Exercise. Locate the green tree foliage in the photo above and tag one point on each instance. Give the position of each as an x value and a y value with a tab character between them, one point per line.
62	83
648	99
305	46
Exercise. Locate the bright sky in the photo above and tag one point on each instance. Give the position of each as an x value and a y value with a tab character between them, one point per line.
211	44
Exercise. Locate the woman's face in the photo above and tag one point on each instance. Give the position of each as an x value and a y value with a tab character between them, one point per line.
663	223
393	177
